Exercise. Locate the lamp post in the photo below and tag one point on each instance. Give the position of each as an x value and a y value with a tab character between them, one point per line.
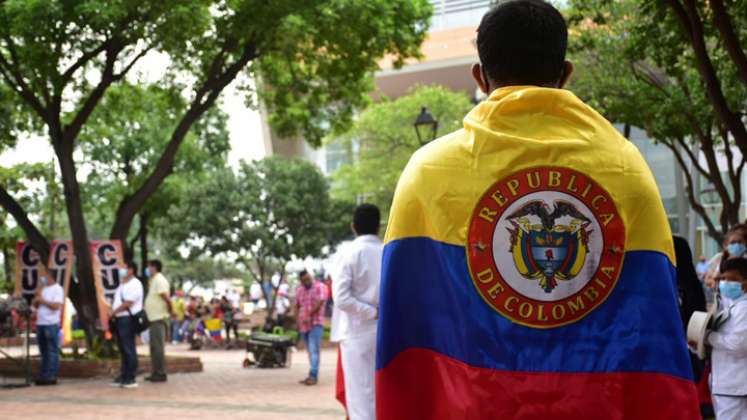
425	126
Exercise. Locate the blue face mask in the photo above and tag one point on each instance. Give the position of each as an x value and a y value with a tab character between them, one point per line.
123	273
147	271
730	289
736	249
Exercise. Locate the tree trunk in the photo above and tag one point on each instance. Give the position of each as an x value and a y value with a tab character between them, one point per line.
7	268
82	292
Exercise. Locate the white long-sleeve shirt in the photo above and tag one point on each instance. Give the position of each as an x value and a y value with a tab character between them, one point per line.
729	356
355	288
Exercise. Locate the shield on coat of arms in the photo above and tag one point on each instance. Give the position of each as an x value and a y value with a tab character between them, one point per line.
549	252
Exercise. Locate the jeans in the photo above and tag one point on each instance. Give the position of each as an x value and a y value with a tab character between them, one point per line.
49	346
176	330
313	340
157	343
128	354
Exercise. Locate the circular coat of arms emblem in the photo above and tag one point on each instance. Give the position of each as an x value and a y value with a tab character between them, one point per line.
545	246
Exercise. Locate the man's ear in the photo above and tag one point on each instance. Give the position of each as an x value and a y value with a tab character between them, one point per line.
567	71
477	74
352	227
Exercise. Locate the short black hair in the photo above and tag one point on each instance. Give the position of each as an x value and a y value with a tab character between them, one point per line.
133	265
157	264
302	273
366	219
523	42
735	264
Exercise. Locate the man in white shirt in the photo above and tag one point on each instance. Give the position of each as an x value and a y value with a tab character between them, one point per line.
159	310
355	290
49	299
128	301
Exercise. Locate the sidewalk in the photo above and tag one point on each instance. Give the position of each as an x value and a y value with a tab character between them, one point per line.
224	389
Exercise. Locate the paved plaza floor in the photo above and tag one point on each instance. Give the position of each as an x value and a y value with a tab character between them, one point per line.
223	390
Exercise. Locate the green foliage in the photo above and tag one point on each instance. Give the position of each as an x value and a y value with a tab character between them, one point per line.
125	138
316	72
385	138
271	211
314	57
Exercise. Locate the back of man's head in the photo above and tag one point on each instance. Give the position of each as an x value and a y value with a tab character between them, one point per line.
366	219
523	42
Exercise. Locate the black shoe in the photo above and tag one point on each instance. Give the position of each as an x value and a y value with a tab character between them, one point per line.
45	382
116	382
156	378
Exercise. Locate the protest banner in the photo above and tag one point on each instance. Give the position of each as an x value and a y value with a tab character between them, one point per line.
27	270
60	266
107	258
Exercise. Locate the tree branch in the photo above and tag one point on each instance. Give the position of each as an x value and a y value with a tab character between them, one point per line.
81	61
693	26
731	41
213	86
712	231
38	241
15	80
71	131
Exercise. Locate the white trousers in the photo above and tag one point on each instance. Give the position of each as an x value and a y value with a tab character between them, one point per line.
359	368
730	408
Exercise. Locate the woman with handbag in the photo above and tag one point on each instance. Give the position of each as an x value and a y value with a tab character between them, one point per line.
126	310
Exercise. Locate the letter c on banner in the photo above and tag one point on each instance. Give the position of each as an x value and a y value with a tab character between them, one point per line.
60	254
30	257
104	255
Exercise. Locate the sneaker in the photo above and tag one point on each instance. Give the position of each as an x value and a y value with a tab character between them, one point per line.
156	378
117	382
130	384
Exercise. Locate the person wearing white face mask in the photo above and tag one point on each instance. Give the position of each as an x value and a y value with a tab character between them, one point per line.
49	299
729	343
734	247
128	301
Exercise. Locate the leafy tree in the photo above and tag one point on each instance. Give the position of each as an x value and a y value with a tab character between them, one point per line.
272	211
125	137
313	60
33	184
385	139
637	64
200	271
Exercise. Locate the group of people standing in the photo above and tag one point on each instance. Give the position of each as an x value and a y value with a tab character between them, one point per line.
128	313
128	321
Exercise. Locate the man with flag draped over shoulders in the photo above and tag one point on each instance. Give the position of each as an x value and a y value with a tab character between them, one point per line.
528	268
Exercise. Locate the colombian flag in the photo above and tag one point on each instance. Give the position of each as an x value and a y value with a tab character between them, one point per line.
528	273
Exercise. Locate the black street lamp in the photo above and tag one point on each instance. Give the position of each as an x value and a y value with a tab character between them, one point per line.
425	126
